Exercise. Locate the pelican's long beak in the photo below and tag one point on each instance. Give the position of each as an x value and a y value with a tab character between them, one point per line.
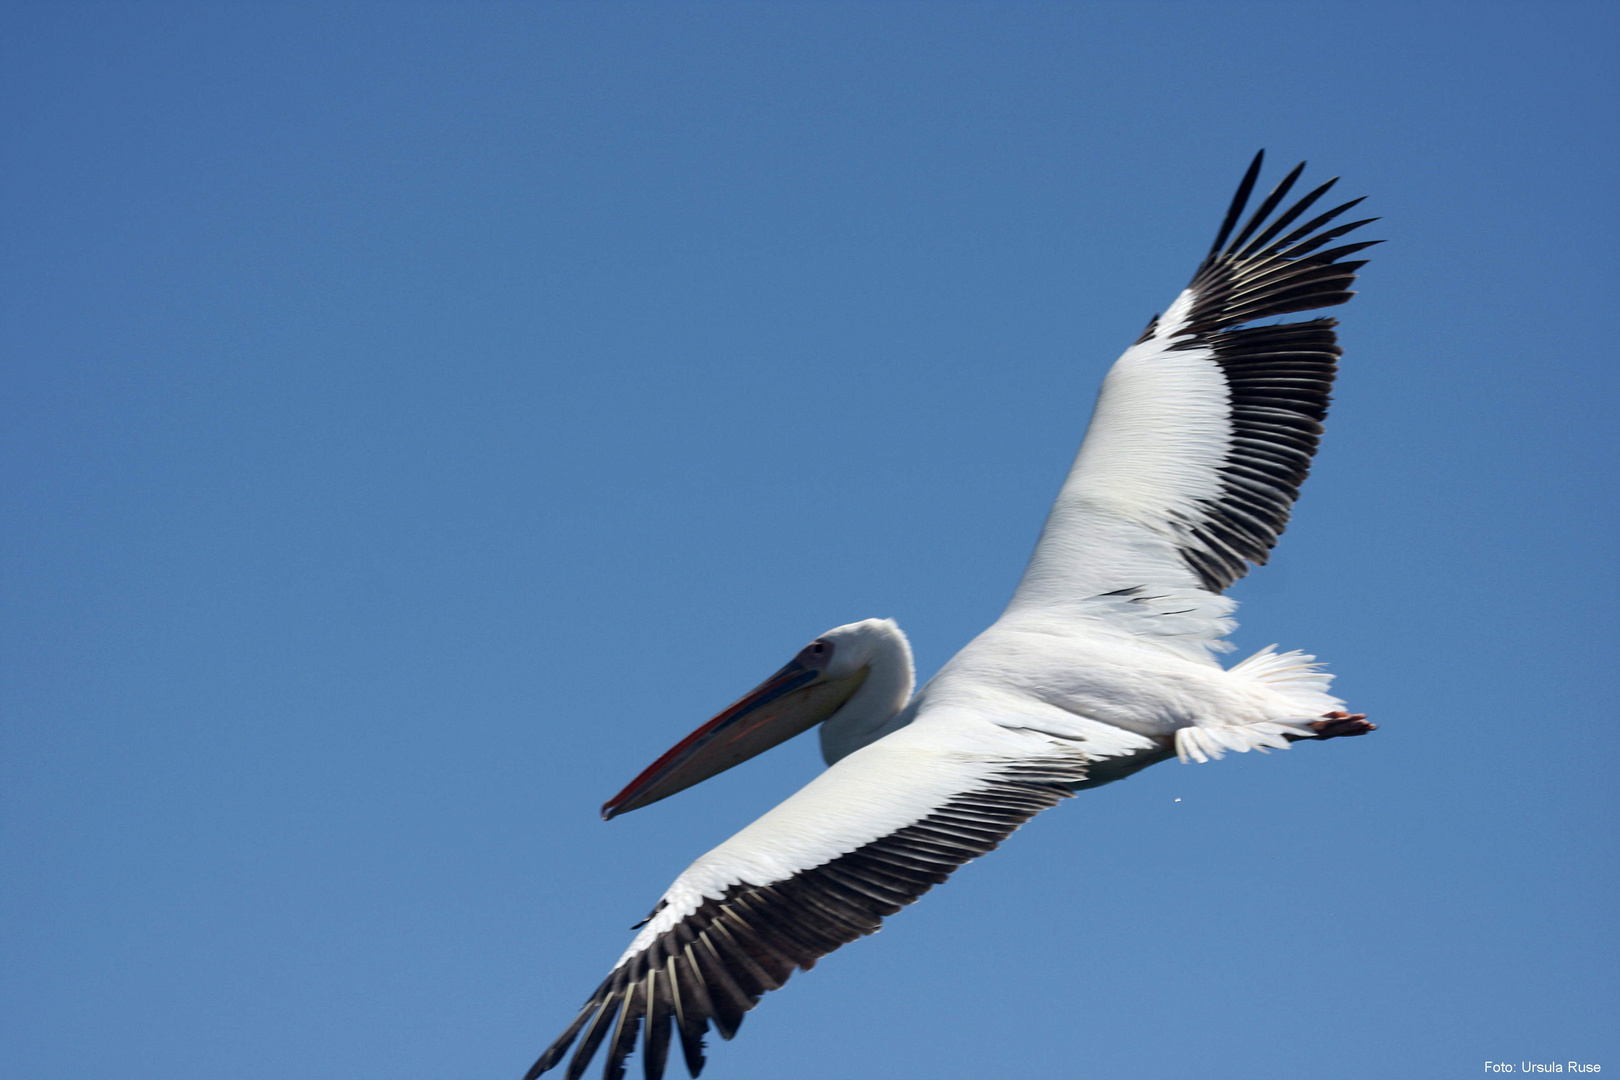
795	699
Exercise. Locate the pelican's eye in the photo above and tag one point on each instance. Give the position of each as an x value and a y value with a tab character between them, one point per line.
817	654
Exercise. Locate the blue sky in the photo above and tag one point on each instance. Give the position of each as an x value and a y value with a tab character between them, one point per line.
416	417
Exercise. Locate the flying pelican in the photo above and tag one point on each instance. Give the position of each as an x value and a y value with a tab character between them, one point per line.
1102	664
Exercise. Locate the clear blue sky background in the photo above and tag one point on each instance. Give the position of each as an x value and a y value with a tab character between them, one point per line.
416	417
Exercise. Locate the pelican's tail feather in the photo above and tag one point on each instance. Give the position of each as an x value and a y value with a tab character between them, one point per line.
1202	742
1295	676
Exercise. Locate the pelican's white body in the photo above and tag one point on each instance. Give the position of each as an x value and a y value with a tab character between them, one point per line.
1021	689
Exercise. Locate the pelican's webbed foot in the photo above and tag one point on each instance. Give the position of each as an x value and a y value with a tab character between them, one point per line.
1337	725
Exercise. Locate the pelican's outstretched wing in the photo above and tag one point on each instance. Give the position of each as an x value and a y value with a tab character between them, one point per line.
871	834
1204	429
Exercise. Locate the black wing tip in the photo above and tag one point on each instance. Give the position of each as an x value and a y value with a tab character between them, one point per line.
1239	201
1261	269
545	1063
1263	211
558	1050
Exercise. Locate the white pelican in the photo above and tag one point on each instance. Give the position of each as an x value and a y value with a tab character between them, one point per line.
1102	664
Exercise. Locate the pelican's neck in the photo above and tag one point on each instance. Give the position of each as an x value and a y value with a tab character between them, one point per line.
889	682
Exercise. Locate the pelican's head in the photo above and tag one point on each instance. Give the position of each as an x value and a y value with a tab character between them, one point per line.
858	675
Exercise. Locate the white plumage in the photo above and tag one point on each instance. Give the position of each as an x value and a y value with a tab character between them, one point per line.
1102	664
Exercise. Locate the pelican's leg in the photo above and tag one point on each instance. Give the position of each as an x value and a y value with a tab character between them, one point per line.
1337	725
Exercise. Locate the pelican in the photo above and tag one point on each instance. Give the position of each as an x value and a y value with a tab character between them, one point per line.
1103	663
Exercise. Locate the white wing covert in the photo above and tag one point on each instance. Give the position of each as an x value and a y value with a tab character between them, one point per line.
1204	429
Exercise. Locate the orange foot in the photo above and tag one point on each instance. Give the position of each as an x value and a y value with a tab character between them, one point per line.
1339	725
